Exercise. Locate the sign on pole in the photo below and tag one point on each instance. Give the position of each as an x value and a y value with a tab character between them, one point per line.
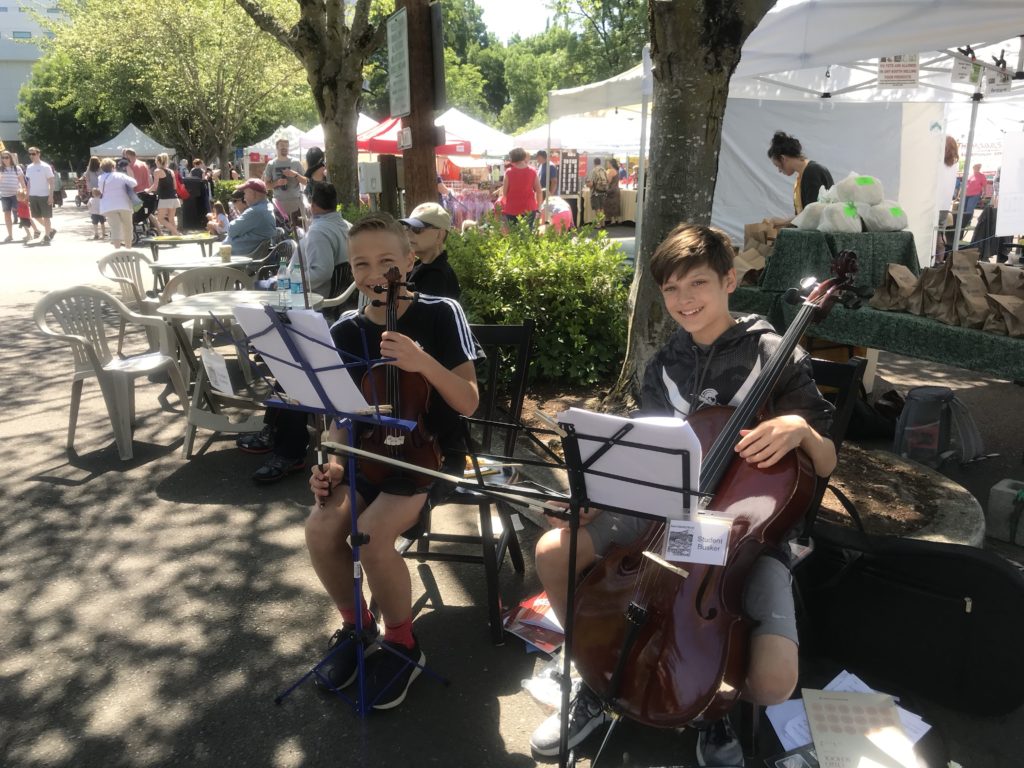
398	63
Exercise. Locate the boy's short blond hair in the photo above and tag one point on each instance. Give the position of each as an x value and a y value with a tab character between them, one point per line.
689	246
381	222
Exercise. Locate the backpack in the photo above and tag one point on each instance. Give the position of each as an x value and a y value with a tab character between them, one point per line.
923	430
600	180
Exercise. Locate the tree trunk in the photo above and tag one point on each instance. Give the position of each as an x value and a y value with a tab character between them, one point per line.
695	47
338	104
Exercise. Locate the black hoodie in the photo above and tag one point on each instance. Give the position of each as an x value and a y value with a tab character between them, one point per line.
683	375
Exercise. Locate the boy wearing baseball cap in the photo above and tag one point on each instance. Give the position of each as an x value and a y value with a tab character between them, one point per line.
428	226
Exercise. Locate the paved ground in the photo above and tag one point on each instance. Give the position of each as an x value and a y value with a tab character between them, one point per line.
152	608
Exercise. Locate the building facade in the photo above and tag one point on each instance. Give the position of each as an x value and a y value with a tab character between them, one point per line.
18	52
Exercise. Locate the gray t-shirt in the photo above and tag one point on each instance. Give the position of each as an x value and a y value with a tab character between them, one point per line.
275	171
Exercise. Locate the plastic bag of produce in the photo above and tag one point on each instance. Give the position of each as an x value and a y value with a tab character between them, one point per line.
887	216
839	217
809	217
857	188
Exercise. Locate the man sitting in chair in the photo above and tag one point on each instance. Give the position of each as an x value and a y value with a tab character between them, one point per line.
256	224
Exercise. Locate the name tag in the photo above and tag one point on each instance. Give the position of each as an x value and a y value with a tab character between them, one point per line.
700	539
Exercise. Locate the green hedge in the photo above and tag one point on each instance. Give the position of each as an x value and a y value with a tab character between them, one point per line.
222	191
575	287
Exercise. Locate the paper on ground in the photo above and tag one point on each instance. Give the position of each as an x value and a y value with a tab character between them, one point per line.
342	392
790	718
631	466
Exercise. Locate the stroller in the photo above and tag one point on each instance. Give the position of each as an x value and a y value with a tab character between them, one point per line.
144	223
81	191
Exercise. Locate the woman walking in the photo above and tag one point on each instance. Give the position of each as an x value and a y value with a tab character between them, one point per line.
11	180
167	196
116	189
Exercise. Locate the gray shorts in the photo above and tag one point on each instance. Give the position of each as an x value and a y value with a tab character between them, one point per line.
767	599
9	203
40	207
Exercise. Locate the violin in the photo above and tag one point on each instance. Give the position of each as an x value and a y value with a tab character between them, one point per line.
666	645
408	395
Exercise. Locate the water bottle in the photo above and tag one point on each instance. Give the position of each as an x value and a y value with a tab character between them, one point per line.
296	285
284	287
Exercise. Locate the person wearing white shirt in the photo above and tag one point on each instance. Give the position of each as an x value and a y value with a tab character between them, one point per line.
116	191
40	181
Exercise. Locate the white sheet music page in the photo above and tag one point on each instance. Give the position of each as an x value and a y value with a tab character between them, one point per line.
629	466
345	397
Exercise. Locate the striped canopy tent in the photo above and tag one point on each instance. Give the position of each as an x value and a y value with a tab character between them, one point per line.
383	140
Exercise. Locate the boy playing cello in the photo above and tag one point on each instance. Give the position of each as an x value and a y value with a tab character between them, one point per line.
711	359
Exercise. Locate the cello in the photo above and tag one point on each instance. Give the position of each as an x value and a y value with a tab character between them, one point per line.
408	396
663	645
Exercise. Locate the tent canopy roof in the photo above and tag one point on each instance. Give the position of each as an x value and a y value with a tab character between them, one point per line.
314	137
484	139
383	139
132	137
269	145
803	48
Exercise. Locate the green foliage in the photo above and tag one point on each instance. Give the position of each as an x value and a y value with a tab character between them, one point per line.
574	287
352	213
222	191
612	33
464	85
197	74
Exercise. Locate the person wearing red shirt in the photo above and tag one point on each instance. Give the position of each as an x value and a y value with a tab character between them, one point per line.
138	170
521	191
973	191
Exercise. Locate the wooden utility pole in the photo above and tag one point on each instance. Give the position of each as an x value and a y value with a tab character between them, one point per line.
420	168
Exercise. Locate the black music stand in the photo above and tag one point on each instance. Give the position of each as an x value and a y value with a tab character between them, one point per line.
291	360
579	471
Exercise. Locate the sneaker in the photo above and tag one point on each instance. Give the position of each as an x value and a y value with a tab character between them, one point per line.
9	238
718	745
390	673
256	442
586	714
49	235
277	468
341	669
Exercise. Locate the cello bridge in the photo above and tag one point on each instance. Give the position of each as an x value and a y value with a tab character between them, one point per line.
394	440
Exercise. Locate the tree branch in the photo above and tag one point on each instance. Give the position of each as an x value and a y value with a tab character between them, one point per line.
269	24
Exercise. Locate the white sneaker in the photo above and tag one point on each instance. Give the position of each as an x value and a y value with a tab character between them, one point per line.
719	747
586	714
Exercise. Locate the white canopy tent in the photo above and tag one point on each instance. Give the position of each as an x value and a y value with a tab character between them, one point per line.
611	133
315	136
791	56
131	137
268	146
483	139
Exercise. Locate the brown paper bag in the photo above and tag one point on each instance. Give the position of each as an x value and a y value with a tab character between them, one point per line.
1011	281
749	264
971	306
927	296
1011	308
994	323
990	274
898	285
760	233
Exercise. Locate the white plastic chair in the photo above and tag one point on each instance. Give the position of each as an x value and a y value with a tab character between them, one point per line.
125	268
82	314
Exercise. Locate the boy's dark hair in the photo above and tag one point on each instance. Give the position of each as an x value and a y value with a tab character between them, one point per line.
689	246
784	144
324	196
381	222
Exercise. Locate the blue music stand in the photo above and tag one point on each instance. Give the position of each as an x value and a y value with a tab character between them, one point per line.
316	400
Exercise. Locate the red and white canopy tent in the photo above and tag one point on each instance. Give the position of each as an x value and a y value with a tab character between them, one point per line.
382	139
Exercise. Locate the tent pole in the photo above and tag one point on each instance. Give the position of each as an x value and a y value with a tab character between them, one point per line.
975	100
641	185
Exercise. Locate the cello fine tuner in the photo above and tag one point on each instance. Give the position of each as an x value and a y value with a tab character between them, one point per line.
681	572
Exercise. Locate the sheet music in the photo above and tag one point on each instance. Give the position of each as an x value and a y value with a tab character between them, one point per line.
632	466
345	397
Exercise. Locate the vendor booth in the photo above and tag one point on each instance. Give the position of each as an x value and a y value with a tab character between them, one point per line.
262	152
134	138
383	139
314	137
895	134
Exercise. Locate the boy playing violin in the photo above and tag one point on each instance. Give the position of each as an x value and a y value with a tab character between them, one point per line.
433	339
711	359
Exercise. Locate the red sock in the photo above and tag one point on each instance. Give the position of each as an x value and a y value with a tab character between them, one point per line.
348	615
400	633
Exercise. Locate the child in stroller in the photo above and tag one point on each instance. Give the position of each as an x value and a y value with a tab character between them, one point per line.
82	195
144	222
